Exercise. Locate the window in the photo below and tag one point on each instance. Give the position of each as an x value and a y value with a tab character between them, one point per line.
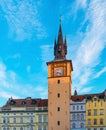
28	120
82	116
89	128
58	95
14	120
73	125
101	112
89	122
101	121
77	107
73	107
4	128
45	118
81	107
95	128
31	119
21	119
39	118
73	116
95	112
44	128
4	120
58	122
14	128
89	112
21	128
39	127
101	128
95	121
58	81
8	128
8	121
31	128
78	117
95	104
58	109
82	125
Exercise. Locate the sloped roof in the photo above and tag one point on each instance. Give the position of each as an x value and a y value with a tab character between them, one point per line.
27	102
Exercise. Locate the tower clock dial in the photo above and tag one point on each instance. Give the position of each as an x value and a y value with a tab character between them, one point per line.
58	72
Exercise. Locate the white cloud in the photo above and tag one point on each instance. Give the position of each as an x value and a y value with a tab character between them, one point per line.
86	90
92	44
23	19
46	50
100	72
7	95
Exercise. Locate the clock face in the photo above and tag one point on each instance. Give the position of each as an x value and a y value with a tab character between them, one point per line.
59	72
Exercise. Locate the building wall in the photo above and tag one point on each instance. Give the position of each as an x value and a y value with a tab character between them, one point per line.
24	120
96	113
77	113
59	93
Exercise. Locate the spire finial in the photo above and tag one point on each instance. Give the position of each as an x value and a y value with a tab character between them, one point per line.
60	19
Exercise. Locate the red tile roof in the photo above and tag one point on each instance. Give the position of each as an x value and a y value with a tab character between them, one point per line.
27	102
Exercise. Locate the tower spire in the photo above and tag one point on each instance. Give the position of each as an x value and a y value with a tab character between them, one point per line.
60	47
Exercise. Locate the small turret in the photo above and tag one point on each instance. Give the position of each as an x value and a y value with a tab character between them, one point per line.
75	92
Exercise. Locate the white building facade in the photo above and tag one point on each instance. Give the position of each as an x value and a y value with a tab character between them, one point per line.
78	112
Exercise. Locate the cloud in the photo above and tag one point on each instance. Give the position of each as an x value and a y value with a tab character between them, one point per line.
100	72
7	95
23	19
86	90
46	50
12	85
88	54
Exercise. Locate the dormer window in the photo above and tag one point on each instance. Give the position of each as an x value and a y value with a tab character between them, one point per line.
33	101
12	102
23	102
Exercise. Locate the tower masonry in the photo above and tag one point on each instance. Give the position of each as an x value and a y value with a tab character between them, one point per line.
59	86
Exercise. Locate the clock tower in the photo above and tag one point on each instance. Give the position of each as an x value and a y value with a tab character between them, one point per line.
59	86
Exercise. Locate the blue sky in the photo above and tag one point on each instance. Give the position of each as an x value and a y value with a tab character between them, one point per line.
27	32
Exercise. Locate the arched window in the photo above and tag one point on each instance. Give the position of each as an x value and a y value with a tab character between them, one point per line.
73	125
82	125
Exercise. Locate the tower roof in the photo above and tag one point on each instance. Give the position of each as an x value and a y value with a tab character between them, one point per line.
60	47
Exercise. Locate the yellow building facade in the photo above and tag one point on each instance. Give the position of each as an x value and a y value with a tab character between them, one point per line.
59	87
24	114
96	111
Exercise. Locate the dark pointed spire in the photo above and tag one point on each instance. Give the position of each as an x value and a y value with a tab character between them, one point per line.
65	45
54	46
60	47
75	92
60	36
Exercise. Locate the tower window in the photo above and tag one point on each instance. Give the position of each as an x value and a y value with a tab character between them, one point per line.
58	122
58	81
58	108
58	95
